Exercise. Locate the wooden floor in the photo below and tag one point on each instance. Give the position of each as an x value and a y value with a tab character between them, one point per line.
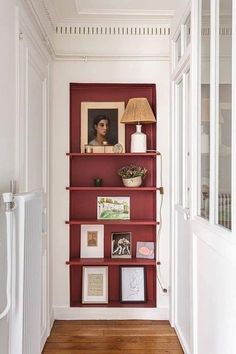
112	337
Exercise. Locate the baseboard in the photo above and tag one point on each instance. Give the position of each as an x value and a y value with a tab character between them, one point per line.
72	313
47	331
52	319
182	340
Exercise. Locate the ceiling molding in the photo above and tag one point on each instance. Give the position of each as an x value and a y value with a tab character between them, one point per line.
114	30
39	23
120	39
50	14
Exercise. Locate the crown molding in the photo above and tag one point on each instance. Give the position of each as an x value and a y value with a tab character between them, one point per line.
41	25
115	30
71	41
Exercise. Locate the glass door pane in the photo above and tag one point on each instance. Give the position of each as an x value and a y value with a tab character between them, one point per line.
225	113
205	110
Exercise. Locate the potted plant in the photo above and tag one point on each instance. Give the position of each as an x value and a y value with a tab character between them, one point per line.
132	175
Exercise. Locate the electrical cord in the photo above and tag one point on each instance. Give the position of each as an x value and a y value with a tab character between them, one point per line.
159	277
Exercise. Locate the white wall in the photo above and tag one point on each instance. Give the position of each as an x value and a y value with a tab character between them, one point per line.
7	137
121	71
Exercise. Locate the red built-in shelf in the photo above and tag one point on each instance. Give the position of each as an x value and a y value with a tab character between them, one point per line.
112	222
111	261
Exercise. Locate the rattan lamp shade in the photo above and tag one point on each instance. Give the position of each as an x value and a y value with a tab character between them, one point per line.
138	111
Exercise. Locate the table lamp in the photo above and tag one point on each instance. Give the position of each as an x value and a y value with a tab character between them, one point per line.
138	111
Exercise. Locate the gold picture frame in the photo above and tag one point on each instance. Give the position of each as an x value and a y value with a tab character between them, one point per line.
116	133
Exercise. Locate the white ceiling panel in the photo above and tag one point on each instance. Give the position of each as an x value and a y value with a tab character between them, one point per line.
75	10
124	5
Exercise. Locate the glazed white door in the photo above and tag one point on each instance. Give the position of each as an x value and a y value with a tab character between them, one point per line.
182	230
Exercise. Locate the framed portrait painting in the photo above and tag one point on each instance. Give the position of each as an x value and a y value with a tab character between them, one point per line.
100	125
95	285
92	241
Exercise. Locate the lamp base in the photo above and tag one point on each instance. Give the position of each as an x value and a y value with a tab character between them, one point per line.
138	140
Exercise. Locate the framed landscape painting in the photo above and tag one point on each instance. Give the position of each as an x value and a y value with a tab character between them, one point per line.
113	208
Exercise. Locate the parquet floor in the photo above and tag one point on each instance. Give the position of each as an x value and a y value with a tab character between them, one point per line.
112	337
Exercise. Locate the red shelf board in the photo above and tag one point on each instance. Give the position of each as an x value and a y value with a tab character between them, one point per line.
112	222
147	304
144	189
111	261
81	154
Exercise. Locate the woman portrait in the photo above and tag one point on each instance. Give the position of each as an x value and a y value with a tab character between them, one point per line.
102	127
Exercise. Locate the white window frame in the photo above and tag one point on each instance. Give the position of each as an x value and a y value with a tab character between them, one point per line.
214	131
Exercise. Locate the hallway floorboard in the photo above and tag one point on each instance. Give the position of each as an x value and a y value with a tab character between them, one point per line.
112	337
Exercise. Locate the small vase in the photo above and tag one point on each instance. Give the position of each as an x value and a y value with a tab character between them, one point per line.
132	182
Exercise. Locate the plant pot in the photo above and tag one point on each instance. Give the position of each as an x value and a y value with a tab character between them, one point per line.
132	182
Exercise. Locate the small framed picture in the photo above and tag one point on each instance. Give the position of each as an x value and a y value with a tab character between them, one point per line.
121	245
113	208
95	285
145	250
92	241
133	284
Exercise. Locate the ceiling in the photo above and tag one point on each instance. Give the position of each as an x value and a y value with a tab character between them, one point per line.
68	11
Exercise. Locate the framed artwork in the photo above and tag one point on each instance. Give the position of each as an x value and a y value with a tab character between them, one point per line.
145	250
113	208
133	284
92	241
121	245
95	285
100	126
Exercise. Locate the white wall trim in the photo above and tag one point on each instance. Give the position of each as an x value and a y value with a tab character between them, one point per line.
86	313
